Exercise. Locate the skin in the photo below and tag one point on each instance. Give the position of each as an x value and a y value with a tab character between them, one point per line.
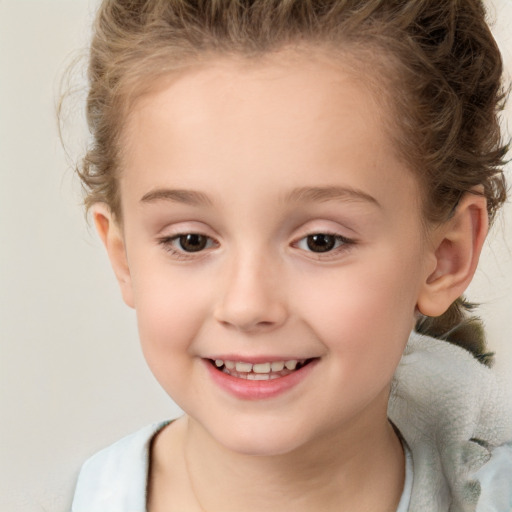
269	153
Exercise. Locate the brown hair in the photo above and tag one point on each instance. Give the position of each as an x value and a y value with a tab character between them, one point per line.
437	58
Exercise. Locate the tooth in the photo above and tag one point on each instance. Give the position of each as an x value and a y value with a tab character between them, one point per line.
230	365
219	362
250	376
261	368
277	366
243	367
273	376
261	376
291	365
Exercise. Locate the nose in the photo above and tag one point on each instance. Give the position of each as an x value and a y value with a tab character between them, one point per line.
252	297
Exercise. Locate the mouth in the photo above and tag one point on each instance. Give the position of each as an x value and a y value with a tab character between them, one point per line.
262	371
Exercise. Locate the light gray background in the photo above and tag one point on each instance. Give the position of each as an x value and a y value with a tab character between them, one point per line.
72	378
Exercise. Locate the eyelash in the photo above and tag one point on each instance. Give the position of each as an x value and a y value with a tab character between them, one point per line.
181	254
341	244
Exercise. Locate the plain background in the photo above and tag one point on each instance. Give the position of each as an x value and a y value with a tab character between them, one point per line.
72	378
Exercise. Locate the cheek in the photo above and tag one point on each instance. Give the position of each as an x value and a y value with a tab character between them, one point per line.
170	312
364	313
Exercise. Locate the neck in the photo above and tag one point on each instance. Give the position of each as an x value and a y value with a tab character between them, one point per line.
361	467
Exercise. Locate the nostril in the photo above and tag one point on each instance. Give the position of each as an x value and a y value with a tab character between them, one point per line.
248	325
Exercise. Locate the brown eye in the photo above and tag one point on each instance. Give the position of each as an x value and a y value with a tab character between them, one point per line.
321	242
187	245
330	244
192	242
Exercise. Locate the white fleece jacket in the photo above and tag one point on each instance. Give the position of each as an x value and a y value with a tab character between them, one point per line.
457	420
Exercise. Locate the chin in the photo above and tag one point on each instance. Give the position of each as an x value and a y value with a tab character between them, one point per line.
257	447
266	439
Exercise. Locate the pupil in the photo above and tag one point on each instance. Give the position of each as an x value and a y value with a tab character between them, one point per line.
321	242
193	242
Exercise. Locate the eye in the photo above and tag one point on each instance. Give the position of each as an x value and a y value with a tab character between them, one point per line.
322	242
187	243
192	242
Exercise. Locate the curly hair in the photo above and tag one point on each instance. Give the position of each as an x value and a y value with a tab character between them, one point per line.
433	63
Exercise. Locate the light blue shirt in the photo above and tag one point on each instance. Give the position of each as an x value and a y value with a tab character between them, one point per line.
115	479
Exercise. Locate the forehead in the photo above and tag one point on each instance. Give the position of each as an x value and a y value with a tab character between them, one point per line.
308	85
283	116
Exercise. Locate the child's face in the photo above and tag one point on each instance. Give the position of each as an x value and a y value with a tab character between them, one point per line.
305	243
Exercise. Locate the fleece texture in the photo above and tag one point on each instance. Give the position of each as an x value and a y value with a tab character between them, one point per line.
456	418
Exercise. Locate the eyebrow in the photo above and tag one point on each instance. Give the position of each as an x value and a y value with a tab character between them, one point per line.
190	197
330	193
302	194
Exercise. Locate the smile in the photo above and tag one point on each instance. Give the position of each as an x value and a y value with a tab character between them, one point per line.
259	380
260	371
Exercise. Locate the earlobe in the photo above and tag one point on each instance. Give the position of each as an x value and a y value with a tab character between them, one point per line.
112	238
456	248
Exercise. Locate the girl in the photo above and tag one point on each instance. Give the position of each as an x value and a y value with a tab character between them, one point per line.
286	189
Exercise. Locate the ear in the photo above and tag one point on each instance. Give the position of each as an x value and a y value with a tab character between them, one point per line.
112	237
456	247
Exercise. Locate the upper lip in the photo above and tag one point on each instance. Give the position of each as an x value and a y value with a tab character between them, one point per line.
258	359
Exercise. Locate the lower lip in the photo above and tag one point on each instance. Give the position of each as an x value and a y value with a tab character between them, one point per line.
258	389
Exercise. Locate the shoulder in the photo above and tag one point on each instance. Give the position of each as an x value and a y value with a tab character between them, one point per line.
115	478
495	479
456	418
441	391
